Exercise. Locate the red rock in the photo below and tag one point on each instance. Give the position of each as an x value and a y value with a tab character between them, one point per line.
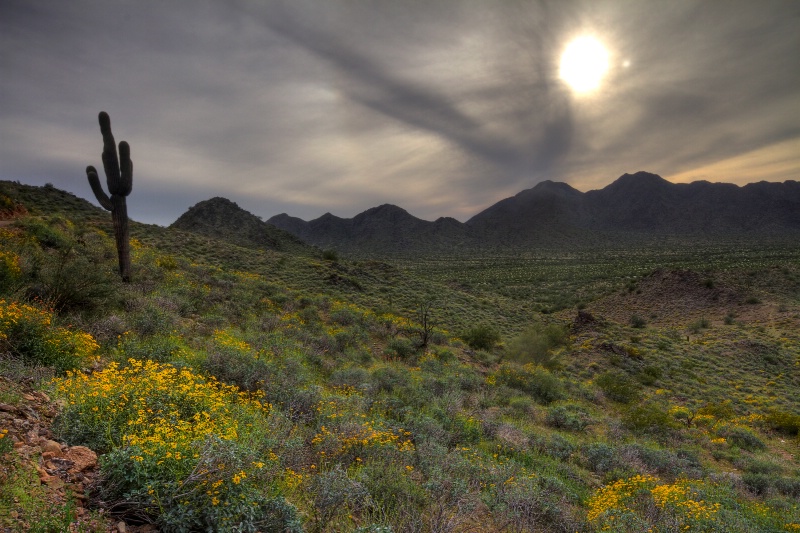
52	447
83	457
8	408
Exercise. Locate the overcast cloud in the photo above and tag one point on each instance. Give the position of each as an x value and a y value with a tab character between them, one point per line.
442	107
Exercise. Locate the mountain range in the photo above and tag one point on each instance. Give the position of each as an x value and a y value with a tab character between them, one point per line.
635	207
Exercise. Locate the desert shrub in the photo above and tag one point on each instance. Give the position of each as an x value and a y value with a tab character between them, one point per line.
638	322
570	416
481	337
229	489
399	500
233	361
335	493
532	502
649	375
464	430
649	417
400	348
345	316
556	446
151	319
601	458
783	421
27	333
742	437
788	486
449	482
683	463
720	410
536	381
538	344
330	255
770	482
349	338
618	386
161	348
353	376
72	269
389	378
697	325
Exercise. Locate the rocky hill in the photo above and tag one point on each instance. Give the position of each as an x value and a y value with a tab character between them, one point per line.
220	218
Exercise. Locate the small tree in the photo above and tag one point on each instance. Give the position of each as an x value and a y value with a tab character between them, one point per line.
481	337
424	318
119	177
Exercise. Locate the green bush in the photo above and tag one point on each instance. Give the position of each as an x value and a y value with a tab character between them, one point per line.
666	463
399	500
601	458
481	337
638	322
400	348
73	267
533	503
649	417
215	497
389	378
742	437
334	492
649	375
570	417
236	368
330	255
536	381
538	345
785	422
618	386
353	376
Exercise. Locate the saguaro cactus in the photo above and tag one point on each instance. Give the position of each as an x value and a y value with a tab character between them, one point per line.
119	176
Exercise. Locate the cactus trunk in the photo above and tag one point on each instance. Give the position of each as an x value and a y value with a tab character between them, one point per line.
119	214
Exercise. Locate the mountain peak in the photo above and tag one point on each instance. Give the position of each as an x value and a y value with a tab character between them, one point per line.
640	178
386	209
223	219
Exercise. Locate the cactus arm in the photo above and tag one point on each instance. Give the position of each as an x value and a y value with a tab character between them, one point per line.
110	160
126	169
99	193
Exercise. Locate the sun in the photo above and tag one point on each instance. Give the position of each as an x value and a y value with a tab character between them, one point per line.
583	64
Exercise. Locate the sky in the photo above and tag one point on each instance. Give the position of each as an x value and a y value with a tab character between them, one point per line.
442	107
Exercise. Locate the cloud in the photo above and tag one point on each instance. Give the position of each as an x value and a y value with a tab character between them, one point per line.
442	107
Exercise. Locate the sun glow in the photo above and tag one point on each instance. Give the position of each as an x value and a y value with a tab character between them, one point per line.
583	64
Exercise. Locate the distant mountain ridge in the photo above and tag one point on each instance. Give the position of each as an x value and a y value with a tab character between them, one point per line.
635	206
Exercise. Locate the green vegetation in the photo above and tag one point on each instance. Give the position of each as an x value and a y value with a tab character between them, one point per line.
229	388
